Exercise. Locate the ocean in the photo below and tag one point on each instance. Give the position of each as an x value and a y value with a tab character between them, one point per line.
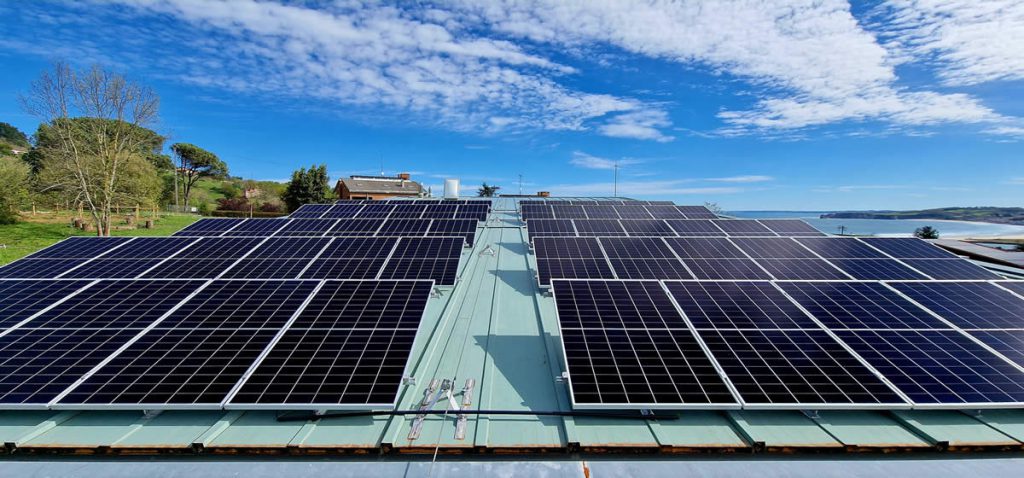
887	227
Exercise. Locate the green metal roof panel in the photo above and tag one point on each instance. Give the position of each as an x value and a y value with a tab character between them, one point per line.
698	429
1010	422
782	429
868	430
88	429
171	429
956	429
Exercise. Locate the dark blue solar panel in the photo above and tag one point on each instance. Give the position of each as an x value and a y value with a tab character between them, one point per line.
375	211
969	305
1010	343
908	248
220	248
705	248
428	248
859	305
743	227
408	211
567	248
404	227
306	227
440	211
38	268
697	212
649	269
117	303
209	227
289	248
951	269
367	305
801	269
310	211
737	305
531	212
20	299
257	227
472	211
601	212
790	227
355	227
840	248
442	271
193	268
454	227
599	227
365	268
636	248
650	227
548	269
550	227
150	248
633	212
795	367
773	248
726	269
111	269
343	211
876	269
665	212
938	366
568	212
694	228
267	269
79	248
359	247
596	304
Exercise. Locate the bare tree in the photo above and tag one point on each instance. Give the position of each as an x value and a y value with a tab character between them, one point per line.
93	138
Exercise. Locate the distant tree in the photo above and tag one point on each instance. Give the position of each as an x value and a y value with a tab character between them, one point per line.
310	186
195	163
95	122
926	232
14	176
486	191
13	136
714	208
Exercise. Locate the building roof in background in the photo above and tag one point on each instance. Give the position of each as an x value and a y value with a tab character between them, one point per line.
381	185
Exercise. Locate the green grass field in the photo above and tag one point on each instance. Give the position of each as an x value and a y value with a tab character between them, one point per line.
32	234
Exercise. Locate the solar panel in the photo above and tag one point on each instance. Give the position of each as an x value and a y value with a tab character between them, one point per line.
440	211
968	305
408	211
356	227
742	227
665	212
859	305
348	348
199	352
38	268
790	227
306	227
257	227
1010	343
795	368
705	248
289	248
404	227
472	211
428	248
907	248
737	305
801	269
310	211
359	247
209	227
636	248
375	211
220	248
600	212
567	248
627	346
599	227
697	212
111	269
694	227
20	299
343	211
434	258
839	248
955	269
1017	287
633	212
267	269
79	248
550	227
626	268
773	248
648	228
938	367
366	268
150	248
454	227
876	269
568	212
725	269
548	269
194	268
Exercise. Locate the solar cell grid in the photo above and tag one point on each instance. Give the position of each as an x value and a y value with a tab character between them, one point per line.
356	227
1015	286
636	248
951	269
969	305
694	227
454	227
408	211
472	211
725	269
801	269
601	304
548	269
626	268
442	271
940	367
310	211
189	268
440	211
375	211
359	247
531	212
116	303
876	269
647	228
404	227
773	248
550	227
343	211
80	248
839	248
1010	343
289	248
697	212
742	227
790	227
220	248
111	269
257	227
860	305
38	268
428	248
600	212
633	212
568	212
665	212
795	368
267	269
20	299
907	248
366	305
567	248
599	227
209	227
306	227
705	248
367	268
737	305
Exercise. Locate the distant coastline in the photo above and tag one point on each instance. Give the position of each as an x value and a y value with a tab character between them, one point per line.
826	221
994	215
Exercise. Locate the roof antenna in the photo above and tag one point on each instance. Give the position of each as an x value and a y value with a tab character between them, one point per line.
381	163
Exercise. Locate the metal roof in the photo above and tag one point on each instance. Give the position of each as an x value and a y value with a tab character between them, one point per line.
497	327
381	185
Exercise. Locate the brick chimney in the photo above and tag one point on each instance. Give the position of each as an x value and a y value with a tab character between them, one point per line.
543	194
403	176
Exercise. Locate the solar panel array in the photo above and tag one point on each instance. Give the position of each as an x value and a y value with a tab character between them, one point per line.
611	210
334	227
739	258
792	345
396	209
668	228
207	344
244	258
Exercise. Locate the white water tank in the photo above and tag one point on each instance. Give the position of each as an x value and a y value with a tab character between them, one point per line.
451	188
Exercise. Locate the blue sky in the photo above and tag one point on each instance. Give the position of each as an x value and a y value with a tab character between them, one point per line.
753	105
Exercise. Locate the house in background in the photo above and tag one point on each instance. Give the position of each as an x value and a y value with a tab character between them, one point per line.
378	187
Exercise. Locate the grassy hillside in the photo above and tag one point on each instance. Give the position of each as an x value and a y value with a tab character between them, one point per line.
32	234
1000	215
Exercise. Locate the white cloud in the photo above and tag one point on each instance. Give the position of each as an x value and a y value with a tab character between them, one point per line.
970	41
644	124
750	178
584	160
